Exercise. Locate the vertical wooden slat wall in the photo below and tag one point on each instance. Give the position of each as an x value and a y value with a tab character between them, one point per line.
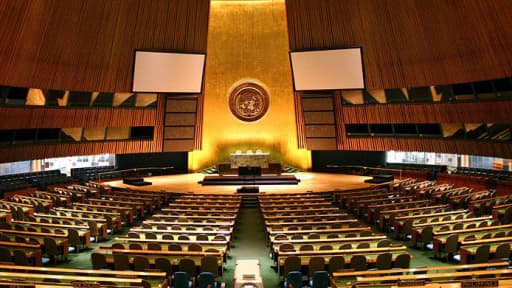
411	44
89	46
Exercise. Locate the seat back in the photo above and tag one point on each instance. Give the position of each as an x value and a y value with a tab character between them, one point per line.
188	265
293	279
291	263
502	252
98	261
164	265
452	243
482	254
209	264
121	262
402	261
384	261
358	263
336	263
140	263
320	279
181	280
316	264
206	280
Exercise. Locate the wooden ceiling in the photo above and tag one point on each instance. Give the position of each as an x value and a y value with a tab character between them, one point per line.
413	42
89	45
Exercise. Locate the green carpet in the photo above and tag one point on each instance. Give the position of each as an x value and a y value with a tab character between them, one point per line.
250	243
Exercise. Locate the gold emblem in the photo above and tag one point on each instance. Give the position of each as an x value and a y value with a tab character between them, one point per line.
249	101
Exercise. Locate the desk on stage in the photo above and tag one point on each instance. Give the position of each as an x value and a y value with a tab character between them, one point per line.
248	274
249	160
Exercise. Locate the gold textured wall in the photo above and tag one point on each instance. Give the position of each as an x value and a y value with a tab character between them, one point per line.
248	40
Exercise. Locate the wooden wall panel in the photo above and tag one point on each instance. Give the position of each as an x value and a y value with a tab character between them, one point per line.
40	151
89	45
28	117
476	112
60	118
411	43
427	145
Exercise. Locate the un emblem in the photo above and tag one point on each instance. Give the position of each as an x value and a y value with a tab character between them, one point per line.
249	101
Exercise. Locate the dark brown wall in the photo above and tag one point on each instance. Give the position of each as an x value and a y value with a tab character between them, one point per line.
410	43
89	45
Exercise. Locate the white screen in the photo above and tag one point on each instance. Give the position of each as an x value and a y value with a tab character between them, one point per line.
168	72
328	69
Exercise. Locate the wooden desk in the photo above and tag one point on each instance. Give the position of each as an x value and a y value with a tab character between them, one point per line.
170	231
314	223
468	251
173	256
157	279
206	216
83	231
433	276
204	211
320	231
32	251
370	258
126	213
204	222
159	239
501	264
306	216
341	240
61	239
440	240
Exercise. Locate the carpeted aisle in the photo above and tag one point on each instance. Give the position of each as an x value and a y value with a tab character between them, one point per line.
249	243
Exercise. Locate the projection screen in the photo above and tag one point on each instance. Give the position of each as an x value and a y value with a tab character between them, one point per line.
327	69
168	72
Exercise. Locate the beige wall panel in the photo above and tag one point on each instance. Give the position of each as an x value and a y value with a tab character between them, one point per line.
181	105
180	119
178	145
320	131
319	117
179	132
321	144
317	104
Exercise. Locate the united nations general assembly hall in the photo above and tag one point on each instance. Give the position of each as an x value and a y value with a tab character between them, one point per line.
255	143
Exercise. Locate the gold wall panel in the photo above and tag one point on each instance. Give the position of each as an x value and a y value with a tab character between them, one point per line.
248	41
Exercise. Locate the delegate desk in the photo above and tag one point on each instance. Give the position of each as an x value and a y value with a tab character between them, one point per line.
156	279
468	248
60	239
173	256
371	255
439	238
489	274
32	251
207	216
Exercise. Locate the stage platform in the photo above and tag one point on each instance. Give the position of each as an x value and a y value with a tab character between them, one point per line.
252	180
316	182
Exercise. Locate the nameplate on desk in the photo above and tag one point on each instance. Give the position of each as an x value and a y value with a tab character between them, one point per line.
248	276
480	283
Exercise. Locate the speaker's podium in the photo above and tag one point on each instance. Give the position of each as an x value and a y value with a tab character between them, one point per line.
249	171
